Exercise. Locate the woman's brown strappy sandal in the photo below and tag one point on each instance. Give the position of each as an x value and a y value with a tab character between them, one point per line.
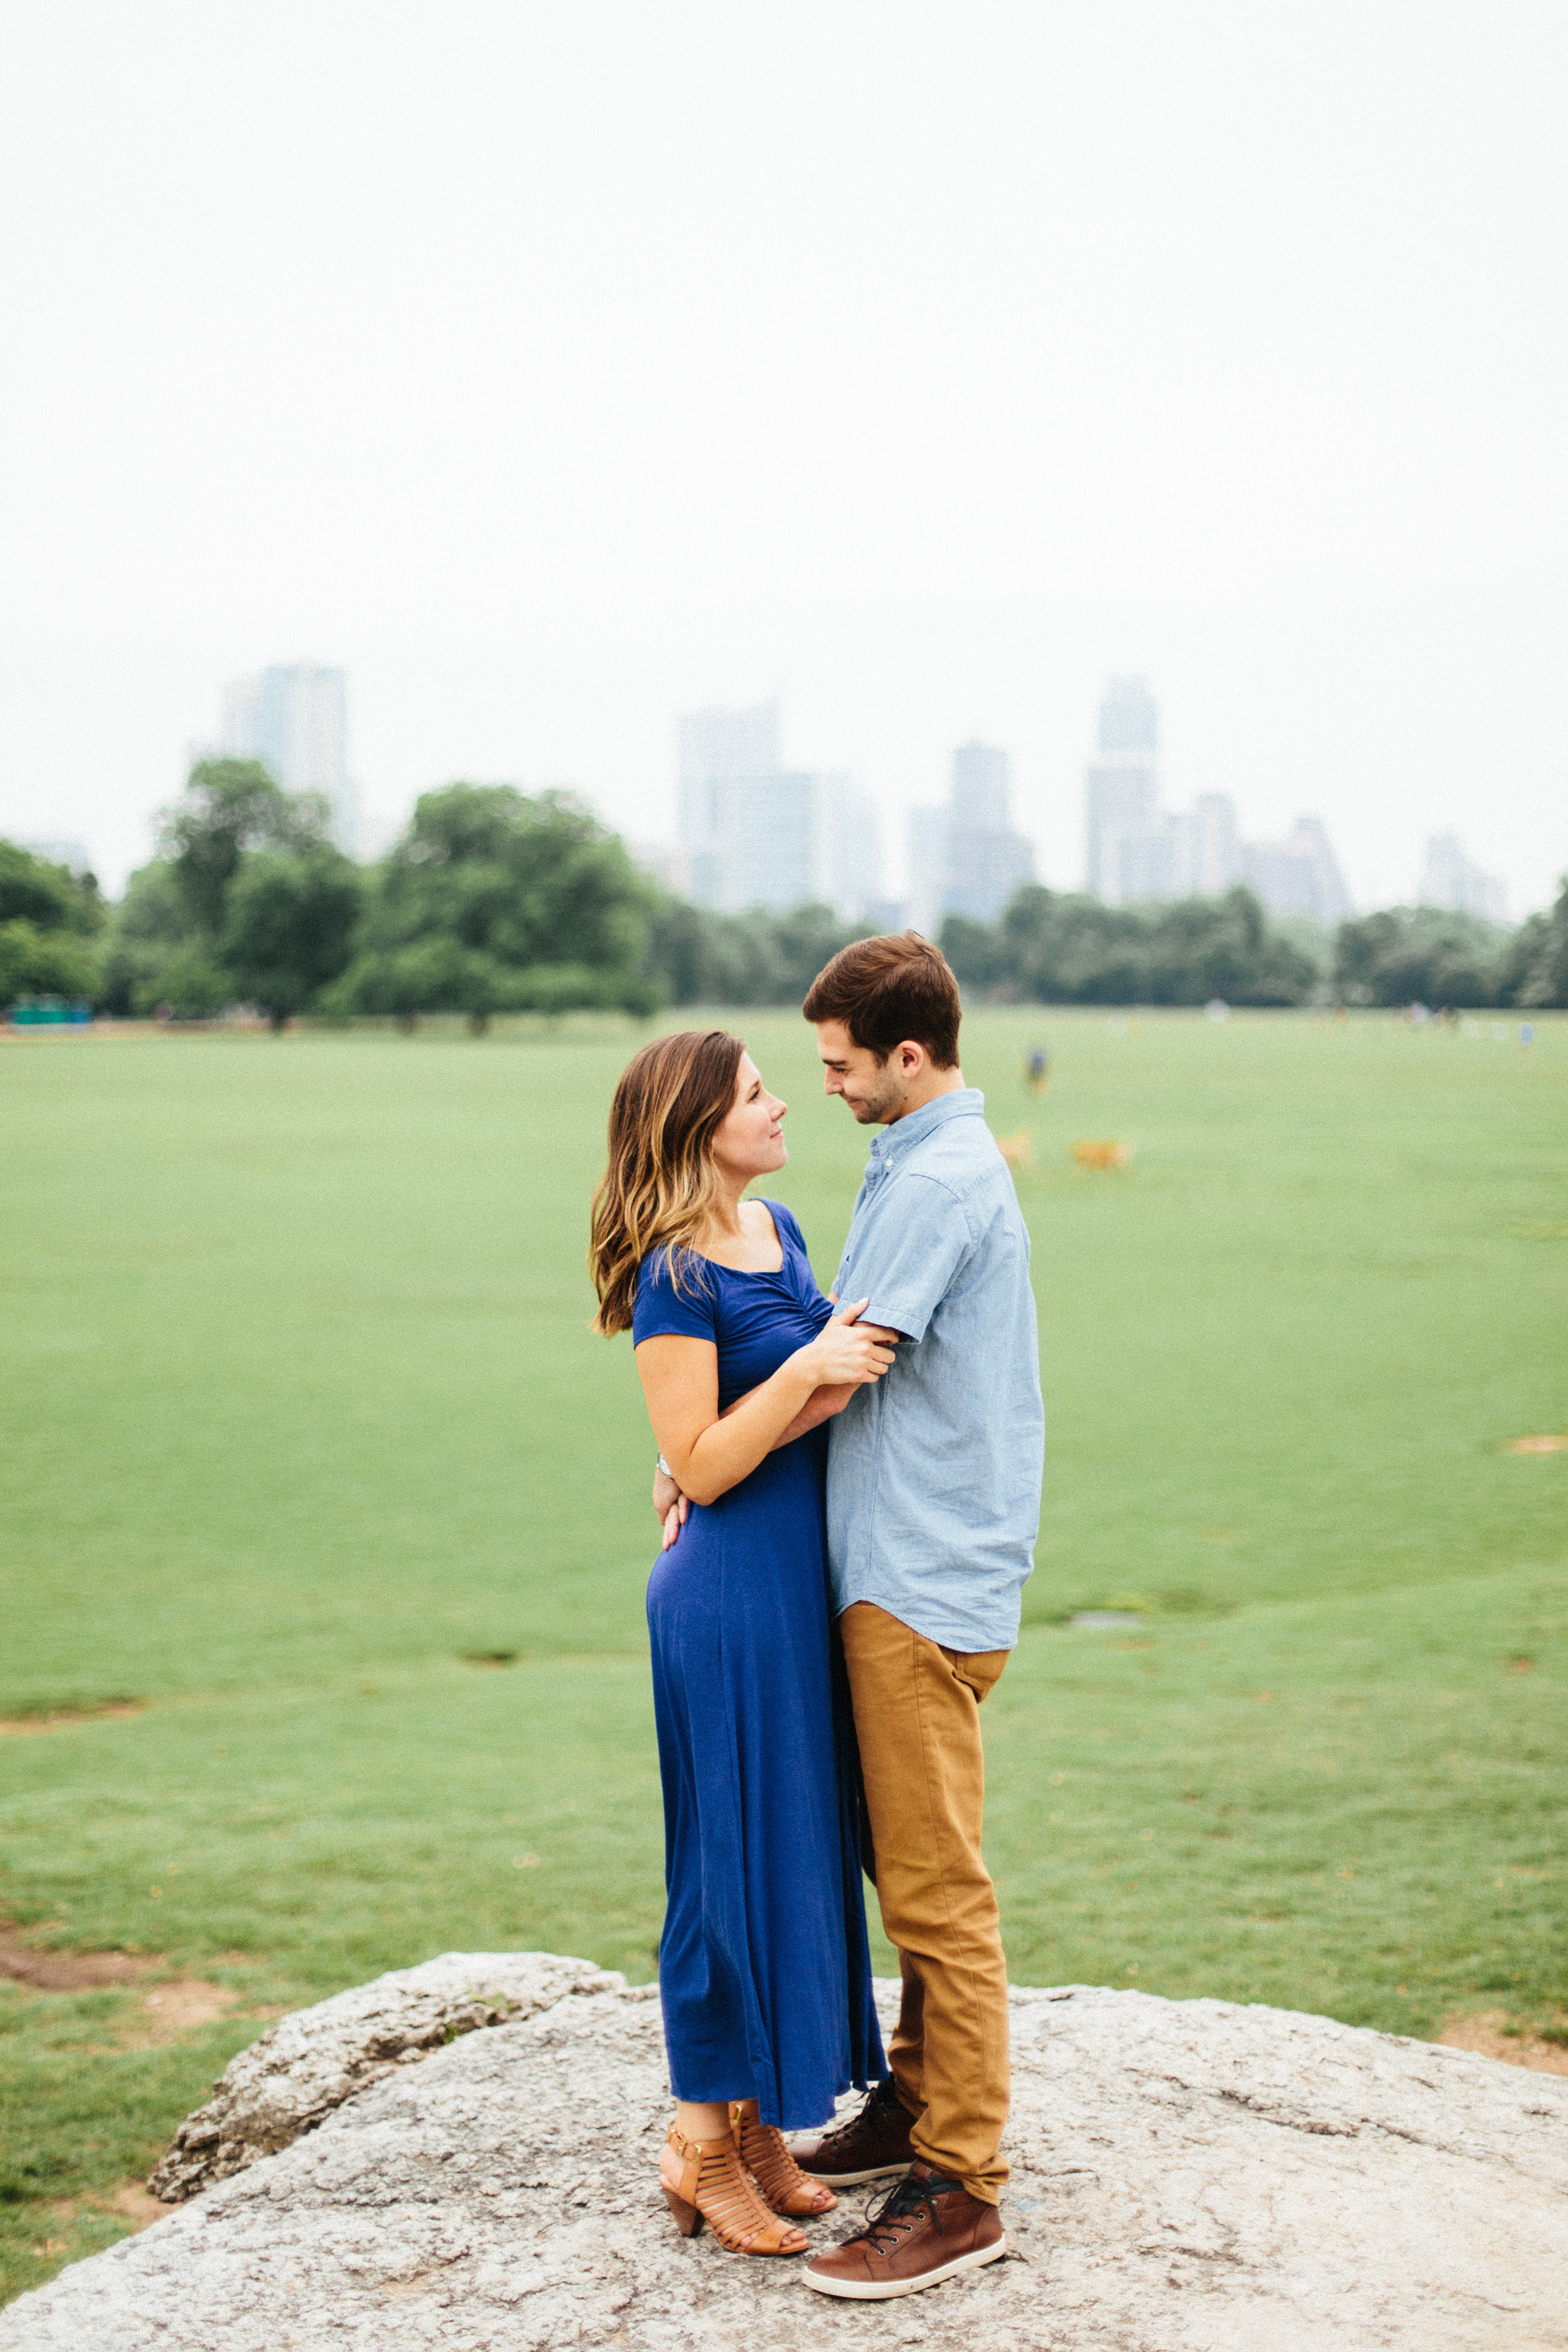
704	2180
784	2185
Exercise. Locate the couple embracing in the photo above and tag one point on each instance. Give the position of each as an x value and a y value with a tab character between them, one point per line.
850	1503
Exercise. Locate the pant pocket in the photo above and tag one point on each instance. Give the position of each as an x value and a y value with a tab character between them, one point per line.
979	1671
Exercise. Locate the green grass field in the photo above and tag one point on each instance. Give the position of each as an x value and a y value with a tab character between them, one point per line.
303	1418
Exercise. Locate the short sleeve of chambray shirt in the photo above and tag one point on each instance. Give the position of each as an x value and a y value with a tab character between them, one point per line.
933	1472
916	1257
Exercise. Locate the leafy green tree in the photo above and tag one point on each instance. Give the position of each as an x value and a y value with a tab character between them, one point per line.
699	957
1196	949
51	898
805	938
49	922
1534	966
980	953
229	807
289	926
36	962
1429	955
155	955
1060	948
174	939
1070	949
1549	983
497	900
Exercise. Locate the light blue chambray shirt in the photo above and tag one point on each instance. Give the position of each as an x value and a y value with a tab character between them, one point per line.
933	1472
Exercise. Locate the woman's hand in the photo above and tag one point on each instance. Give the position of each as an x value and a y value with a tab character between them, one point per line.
669	1505
665	1495
847	1353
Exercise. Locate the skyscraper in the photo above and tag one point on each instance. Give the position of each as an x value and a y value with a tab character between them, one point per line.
986	861
756	834
714	748
1216	862
928	830
964	857
982	787
293	718
1131	854
1451	880
1138	851
849	849
1297	875
766	842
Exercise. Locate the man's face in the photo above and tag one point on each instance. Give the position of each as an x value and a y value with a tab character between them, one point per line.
874	1090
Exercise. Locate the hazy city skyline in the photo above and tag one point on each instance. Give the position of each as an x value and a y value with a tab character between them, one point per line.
293	716
1138	851
751	830
555	371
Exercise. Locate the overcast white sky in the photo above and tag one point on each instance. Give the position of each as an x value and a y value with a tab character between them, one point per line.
557	367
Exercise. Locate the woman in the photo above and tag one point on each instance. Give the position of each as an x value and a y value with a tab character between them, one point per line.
764	1974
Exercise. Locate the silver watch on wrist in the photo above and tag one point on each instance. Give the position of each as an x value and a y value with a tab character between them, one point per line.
662	1465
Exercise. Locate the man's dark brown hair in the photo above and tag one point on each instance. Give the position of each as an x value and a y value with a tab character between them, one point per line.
889	989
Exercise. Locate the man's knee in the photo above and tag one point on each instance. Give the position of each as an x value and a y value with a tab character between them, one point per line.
925	1912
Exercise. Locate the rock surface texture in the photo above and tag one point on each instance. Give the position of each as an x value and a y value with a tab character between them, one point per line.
1187	2177
310	2062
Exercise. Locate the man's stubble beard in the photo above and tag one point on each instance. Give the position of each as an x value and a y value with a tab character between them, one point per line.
873	1109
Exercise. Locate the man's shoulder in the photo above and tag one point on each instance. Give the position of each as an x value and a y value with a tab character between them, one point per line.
959	1156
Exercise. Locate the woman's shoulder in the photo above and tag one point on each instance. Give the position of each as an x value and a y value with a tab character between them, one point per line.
675	1293
670	1268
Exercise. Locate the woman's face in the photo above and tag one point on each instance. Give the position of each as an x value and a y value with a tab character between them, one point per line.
749	1140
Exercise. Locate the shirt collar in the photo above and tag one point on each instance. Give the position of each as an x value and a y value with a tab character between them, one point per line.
964	1102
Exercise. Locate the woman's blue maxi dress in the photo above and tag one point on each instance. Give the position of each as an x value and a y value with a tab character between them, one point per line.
763	1968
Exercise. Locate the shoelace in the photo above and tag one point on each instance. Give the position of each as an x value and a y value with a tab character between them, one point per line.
899	2207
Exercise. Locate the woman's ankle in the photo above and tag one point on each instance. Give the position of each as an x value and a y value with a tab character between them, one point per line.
701	2119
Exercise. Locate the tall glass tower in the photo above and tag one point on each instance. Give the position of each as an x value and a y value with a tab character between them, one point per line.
293	718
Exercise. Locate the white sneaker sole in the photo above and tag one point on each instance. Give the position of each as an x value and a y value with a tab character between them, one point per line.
870	2291
858	2179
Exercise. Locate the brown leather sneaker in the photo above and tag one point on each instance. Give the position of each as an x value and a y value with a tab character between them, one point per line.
874	2144
926	2229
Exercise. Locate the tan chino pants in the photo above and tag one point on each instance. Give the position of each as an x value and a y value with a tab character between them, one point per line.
917	1708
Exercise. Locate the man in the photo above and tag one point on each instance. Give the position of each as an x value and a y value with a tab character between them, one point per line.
933	1494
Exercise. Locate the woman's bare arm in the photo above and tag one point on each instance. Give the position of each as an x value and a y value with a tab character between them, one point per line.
709	1453
820	1406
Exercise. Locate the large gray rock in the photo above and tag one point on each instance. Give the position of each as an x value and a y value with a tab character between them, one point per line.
311	2061
1188	2177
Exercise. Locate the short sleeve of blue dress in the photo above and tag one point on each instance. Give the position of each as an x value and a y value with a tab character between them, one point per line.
664	1309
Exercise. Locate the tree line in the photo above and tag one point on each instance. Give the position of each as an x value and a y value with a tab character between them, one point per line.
495	900
1064	948
492	901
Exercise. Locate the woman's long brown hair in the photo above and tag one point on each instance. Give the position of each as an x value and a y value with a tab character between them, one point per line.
659	1188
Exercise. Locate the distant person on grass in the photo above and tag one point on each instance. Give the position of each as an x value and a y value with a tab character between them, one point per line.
933	1493
765	1971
